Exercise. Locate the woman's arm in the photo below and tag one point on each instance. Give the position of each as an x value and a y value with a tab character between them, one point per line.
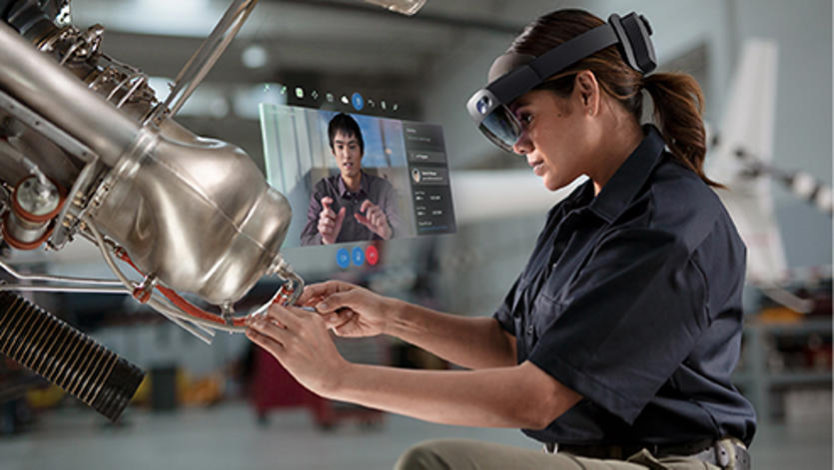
514	396
469	342
520	396
353	311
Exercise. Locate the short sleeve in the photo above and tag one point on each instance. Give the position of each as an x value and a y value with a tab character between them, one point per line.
504	314
632	315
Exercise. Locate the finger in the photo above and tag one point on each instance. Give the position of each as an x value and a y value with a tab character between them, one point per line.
346	329
326	201
327	223
264	341
325	232
366	204
338	318
362	220
333	302
300	313
327	214
340	217
315	291
266	325
375	217
283	315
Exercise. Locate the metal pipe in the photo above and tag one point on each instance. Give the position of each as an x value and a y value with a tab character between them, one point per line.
76	289
20	158
47	278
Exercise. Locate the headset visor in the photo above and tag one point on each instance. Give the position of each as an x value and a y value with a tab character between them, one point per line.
502	127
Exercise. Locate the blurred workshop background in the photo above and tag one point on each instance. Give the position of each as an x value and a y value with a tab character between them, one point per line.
766	70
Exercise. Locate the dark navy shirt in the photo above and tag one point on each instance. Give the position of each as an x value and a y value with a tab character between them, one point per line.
632	298
373	188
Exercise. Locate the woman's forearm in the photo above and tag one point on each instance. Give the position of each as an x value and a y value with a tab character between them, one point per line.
469	342
509	397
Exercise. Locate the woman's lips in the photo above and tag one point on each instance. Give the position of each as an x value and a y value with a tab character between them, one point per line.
538	167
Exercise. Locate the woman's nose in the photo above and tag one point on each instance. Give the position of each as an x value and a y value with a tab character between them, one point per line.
523	145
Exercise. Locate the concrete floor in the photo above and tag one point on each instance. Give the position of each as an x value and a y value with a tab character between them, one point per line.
227	437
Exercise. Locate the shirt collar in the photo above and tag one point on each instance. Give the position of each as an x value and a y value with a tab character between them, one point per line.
630	177
363	186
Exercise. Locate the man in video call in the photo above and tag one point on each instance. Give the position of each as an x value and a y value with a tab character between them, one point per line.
351	205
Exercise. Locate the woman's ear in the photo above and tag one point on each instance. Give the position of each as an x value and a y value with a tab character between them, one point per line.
587	92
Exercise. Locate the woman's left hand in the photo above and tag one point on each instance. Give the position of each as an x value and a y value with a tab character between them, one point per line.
299	339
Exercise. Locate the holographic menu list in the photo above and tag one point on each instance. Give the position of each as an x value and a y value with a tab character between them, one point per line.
428	171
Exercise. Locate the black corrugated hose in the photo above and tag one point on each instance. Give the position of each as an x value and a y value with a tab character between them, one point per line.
66	357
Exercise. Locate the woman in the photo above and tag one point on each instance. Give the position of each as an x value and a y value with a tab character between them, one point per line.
615	345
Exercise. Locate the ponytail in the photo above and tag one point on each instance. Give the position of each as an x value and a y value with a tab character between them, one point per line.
678	105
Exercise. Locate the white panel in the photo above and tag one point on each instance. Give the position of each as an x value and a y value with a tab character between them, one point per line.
749	125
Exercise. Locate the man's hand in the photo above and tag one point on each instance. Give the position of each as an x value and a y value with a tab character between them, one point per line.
373	218
349	310
330	223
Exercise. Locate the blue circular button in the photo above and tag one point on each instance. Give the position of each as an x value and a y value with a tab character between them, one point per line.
358	256
358	101
343	258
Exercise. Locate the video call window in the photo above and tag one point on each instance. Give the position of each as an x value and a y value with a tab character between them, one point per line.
352	178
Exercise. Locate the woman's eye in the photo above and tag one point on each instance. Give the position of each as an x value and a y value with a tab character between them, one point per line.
525	118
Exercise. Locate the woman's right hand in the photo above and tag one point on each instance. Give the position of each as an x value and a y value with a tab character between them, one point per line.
349	310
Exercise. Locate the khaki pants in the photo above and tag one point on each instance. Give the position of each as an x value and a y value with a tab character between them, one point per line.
461	454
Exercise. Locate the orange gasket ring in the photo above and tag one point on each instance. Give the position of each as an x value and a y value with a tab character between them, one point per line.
18	245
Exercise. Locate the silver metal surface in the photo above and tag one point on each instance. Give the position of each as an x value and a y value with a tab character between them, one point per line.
195	213
24	231
45	128
21	159
37	197
51	91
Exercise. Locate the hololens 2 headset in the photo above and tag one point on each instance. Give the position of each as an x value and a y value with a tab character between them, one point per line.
514	74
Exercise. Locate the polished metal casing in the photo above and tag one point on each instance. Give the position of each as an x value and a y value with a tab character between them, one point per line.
195	212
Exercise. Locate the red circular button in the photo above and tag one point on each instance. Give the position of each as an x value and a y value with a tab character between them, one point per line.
372	255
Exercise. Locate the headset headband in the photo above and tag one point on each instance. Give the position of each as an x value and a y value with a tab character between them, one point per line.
631	34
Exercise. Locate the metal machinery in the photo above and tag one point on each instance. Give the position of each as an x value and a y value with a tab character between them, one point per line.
87	150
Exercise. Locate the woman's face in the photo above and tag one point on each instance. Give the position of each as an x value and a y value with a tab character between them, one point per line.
557	136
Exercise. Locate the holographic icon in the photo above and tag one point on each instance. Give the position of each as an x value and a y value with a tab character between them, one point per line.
358	256
343	258
372	255
358	101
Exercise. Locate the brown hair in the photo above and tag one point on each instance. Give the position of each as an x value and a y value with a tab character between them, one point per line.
678	100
